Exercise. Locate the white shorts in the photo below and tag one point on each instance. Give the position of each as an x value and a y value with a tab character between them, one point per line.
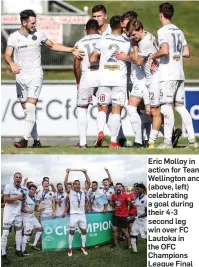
10	219
140	91
139	227
115	95
154	94
172	92
28	88
45	215
30	225
85	96
78	220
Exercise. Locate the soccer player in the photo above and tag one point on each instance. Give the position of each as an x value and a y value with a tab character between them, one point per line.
30	222
51	186
13	193
100	15
146	45
86	75
78	203
140	224
120	202
46	202
113	79
108	188
26	45
61	205
97	199
173	47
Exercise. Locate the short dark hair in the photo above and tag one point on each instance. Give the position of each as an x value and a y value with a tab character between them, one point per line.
167	10
115	22
76	181
29	183
59	184
46	178
119	184
92	24
142	186
105	179
134	25
45	181
32	185
98	8
17	173
94	182
129	15
25	14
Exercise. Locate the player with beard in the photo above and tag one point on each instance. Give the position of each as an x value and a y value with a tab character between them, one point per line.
78	205
61	204
120	202
97	199
13	193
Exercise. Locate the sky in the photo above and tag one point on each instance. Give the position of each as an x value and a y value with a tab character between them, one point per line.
123	168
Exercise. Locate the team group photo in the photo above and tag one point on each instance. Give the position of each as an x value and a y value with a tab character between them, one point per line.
92	210
122	69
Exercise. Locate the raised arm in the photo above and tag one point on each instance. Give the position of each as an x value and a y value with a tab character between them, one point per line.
67	188
61	48
109	175
88	181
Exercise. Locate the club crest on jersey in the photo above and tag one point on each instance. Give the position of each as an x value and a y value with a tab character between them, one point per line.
34	37
142	201
50	194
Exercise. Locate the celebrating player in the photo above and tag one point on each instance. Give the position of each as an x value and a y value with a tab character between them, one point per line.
26	45
61	205
140	224
30	222
13	195
97	199
173	47
87	81
78	202
113	79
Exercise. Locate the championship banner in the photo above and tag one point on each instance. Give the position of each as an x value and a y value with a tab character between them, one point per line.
192	105
56	231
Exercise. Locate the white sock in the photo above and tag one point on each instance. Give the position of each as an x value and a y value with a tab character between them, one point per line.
187	121
70	240
115	126
82	124
29	120
108	116
37	236
153	136
24	242
101	120
34	133
18	239
133	243
83	240
167	112
4	240
135	122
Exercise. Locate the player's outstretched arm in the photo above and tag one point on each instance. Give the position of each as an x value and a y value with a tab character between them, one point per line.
109	175
53	188
8	59
67	188
77	70
88	181
61	48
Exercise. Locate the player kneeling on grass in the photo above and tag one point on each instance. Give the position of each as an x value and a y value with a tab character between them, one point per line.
78	202
140	224
30	222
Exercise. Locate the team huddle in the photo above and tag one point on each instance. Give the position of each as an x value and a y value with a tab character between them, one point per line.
22	201
121	64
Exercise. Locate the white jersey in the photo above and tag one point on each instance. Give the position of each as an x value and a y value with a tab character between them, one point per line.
107	30
109	192
45	200
29	203
141	205
27	52
90	72
113	72
60	208
171	66
146	47
95	198
77	202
